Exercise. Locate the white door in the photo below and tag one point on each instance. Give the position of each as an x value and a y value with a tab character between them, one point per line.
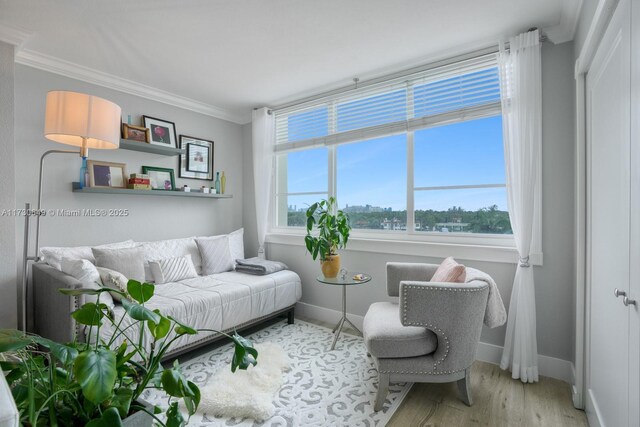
608	224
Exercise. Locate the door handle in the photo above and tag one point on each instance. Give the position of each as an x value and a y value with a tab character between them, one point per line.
627	302
618	293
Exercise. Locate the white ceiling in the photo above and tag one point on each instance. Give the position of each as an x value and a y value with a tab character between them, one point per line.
224	57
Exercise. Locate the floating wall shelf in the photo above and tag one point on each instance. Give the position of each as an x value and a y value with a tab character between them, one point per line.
127	144
92	190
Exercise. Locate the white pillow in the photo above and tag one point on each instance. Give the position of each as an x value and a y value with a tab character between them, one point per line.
173	269
128	261
172	248
53	255
236	244
88	275
216	257
114	280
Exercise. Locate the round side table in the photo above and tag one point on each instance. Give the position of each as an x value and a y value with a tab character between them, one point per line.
344	281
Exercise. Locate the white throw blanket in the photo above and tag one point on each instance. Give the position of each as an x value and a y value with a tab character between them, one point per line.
495	315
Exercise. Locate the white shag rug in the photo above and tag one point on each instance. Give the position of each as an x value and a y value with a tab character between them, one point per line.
321	388
250	393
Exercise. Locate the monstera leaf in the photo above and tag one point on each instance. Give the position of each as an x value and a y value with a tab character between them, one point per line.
161	329
244	354
139	312
96	373
89	314
174	417
109	418
174	383
141	292
64	353
12	340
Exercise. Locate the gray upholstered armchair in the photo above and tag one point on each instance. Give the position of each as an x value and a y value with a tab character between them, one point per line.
430	335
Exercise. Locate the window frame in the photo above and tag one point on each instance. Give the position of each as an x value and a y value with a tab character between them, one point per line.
471	246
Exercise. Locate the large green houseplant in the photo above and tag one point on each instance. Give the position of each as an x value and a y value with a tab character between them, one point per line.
96	383
333	228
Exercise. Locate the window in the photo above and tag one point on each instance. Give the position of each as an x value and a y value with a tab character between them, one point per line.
372	180
417	155
459	178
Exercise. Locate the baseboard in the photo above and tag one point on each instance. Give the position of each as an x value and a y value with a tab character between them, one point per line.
576	398
324	314
490	353
547	365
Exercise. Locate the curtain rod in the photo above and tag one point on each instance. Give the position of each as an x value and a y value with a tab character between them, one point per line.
400	74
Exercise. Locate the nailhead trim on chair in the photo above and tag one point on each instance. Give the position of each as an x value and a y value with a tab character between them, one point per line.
423	373
433	328
440	288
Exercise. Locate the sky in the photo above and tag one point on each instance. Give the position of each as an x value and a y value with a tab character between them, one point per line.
374	171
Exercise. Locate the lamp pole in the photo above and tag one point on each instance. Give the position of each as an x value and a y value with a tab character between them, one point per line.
25	252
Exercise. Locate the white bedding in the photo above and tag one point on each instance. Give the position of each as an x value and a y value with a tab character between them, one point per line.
220	301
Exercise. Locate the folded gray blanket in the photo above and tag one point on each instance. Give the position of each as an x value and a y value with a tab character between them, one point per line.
259	266
495	314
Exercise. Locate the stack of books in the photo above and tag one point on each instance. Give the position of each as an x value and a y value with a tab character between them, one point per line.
139	181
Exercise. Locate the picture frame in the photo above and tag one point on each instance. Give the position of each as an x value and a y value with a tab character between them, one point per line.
197	160
161	132
107	174
136	133
162	179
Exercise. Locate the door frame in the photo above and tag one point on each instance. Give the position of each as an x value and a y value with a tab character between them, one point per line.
602	16
599	24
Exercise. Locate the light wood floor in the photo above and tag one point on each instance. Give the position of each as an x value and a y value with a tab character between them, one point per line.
498	400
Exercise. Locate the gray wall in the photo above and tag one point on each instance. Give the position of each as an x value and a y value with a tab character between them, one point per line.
554	280
8	312
150	218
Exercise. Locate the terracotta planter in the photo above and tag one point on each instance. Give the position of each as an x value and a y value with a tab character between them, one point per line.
330	266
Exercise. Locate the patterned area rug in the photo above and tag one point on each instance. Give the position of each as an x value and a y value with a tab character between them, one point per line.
322	388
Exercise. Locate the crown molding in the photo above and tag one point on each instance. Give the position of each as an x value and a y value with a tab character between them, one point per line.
13	36
566	29
100	78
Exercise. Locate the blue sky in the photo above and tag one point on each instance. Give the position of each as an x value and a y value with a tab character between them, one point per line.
374	171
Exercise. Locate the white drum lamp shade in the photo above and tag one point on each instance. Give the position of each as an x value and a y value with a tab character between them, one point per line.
82	120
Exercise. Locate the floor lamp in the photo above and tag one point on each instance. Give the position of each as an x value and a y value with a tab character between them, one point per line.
77	119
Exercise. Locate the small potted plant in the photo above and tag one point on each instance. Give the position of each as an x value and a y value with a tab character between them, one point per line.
333	229
98	383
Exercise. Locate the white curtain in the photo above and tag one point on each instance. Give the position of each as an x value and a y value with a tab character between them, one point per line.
521	91
263	137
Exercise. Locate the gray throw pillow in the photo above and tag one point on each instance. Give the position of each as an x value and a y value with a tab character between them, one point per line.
173	269
215	253
128	261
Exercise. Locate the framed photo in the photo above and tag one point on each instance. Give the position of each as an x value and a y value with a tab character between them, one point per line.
197	160
135	133
107	174
161	178
161	132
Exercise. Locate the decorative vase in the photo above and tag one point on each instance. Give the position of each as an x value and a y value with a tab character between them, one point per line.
223	182
330	266
217	184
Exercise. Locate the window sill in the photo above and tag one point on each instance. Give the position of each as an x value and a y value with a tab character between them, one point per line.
500	249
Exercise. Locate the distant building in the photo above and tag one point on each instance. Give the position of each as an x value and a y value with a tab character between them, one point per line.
364	209
455	227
